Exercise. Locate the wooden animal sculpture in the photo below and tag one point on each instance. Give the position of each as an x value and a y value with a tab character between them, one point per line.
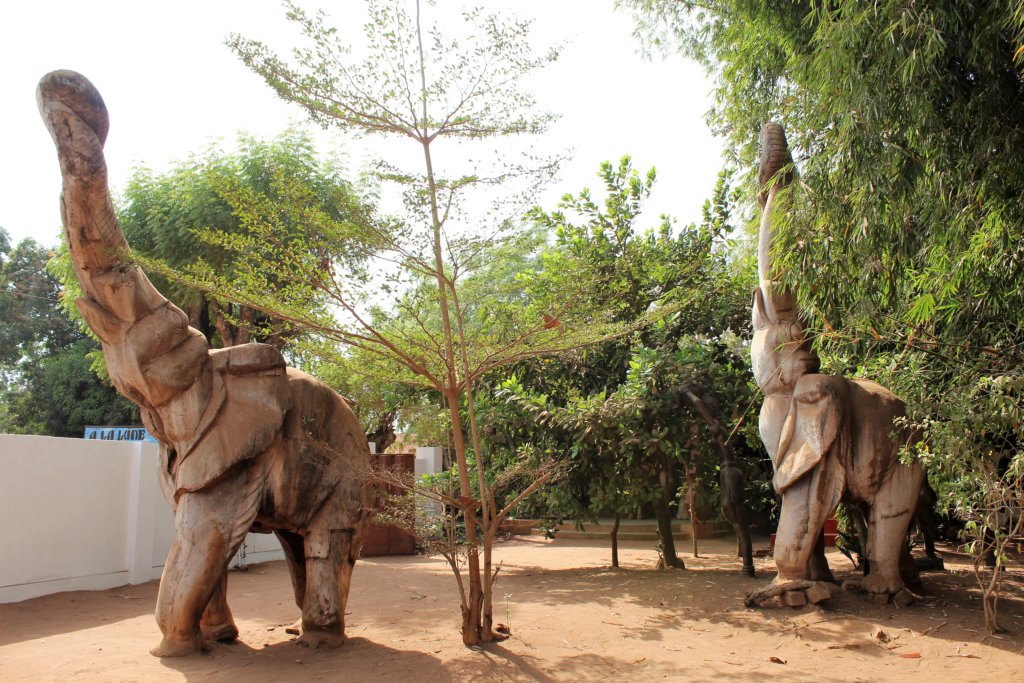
246	443
829	438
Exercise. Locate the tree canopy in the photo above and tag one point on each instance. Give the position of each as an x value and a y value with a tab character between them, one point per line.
612	413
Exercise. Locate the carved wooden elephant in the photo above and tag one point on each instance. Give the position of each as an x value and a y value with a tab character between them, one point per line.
829	438
246	443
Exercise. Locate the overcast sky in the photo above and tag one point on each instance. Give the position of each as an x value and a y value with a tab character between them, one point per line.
171	87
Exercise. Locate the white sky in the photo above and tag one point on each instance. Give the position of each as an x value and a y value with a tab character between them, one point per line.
171	86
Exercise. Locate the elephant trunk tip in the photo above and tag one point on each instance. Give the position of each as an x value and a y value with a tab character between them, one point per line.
75	92
775	155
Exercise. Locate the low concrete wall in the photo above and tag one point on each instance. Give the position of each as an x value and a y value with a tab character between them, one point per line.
86	515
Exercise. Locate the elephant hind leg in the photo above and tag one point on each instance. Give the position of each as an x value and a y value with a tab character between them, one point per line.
888	520
330	557
908	569
817	565
295	554
217	622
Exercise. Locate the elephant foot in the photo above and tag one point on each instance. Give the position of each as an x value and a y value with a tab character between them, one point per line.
748	571
317	639
878	583
790	593
900	596
225	632
173	647
929	563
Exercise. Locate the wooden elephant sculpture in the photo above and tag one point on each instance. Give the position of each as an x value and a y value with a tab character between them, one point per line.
246	443
829	438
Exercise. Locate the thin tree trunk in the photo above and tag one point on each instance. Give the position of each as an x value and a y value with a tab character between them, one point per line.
663	515
488	510
221	324
615	541
472	608
691	503
471	611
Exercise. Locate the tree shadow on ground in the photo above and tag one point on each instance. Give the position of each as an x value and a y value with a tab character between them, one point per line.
948	606
358	659
592	666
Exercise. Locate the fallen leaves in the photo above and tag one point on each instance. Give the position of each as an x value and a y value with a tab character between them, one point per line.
776	660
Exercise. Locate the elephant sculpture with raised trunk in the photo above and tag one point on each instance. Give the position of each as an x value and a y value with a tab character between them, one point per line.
830	439
246	443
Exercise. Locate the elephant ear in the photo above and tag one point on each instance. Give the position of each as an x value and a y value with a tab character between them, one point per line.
809	432
245	415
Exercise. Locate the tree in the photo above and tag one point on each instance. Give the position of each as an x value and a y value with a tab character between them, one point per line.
164	217
44	356
627	438
439	328
66	394
907	225
28	295
383	406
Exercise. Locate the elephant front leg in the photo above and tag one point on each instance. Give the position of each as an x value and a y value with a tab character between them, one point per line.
805	507
211	525
330	558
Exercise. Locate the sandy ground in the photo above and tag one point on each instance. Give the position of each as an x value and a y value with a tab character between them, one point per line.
572	619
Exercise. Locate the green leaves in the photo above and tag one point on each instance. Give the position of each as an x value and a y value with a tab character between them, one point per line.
410	84
610	411
273	220
46	385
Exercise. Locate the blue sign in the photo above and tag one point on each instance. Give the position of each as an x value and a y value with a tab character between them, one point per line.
119	434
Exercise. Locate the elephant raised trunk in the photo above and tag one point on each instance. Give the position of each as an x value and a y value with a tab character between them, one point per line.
828	437
775	175
246	443
152	354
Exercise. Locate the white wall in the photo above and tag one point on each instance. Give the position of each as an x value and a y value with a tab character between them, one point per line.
429	460
83	514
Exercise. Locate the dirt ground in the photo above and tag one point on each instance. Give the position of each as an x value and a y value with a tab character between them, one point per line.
572	619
